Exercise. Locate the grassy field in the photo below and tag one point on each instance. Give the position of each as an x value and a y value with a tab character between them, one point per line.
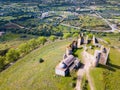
28	74
107	77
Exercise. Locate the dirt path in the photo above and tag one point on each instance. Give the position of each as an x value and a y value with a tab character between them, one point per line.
84	70
80	75
88	65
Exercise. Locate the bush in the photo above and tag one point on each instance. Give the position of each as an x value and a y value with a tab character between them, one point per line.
74	78
52	38
75	35
90	35
66	35
73	84
24	48
12	55
41	60
42	40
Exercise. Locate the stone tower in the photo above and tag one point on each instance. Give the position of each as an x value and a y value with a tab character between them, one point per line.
97	55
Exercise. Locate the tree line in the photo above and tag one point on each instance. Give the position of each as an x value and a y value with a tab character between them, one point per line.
14	54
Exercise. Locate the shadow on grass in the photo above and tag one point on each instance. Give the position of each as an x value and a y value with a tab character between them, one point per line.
74	52
106	67
82	66
112	65
109	66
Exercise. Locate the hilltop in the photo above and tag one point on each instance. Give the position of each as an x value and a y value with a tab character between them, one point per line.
29	74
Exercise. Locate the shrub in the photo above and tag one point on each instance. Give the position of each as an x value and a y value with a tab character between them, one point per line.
12	55
75	35
52	38
73	84
74	78
90	35
66	35
41	60
42	40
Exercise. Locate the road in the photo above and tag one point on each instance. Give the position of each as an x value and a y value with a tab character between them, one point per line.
70	26
67	25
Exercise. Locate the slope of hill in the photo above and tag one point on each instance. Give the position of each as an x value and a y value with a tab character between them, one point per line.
28	74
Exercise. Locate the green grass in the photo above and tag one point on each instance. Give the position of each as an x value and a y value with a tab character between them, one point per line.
78	53
28	74
85	85
107	77
92	49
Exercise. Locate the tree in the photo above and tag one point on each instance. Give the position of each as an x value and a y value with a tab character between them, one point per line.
24	48
75	35
66	35
12	55
52	38
32	43
90	35
41	40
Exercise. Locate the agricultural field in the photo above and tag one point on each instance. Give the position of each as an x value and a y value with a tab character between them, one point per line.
87	21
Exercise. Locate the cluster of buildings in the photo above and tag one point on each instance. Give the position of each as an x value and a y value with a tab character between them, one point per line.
70	62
